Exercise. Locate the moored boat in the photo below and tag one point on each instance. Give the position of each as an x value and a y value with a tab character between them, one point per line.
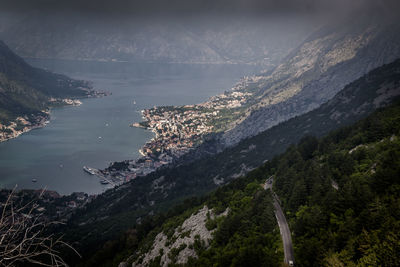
89	170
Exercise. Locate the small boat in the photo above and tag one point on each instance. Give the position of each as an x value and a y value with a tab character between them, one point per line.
104	182
89	170
34	180
134	102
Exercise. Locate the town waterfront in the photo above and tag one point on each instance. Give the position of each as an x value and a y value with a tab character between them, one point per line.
97	132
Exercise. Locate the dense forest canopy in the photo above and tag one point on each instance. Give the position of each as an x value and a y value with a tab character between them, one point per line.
340	194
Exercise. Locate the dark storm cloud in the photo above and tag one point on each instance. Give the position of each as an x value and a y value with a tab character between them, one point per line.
188	7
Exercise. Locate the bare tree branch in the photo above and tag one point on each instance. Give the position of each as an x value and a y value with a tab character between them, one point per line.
24	238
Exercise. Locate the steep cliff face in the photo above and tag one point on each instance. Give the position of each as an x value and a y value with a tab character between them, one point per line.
315	72
192	41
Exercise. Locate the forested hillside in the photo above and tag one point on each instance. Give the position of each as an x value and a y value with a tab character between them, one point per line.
119	209
340	193
28	92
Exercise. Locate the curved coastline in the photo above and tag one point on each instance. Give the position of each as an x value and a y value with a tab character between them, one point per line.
24	124
46	165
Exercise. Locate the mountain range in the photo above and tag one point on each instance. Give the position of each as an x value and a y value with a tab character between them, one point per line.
337	188
321	66
210	40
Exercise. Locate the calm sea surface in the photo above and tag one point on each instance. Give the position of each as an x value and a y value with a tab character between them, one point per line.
97	132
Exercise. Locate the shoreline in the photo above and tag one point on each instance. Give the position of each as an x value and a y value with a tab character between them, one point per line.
180	129
40	122
11	131
177	129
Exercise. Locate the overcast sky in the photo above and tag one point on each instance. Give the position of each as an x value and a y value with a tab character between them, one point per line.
195	7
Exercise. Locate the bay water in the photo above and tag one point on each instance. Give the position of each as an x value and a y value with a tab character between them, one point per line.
97	132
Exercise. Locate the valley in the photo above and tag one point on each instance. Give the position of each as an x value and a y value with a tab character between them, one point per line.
203	133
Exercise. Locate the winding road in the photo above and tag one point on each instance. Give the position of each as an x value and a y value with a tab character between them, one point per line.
283	225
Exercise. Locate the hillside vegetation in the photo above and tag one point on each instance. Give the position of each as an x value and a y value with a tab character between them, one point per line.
340	193
168	185
119	209
25	89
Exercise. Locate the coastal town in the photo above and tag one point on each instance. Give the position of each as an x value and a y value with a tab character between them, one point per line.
23	124
177	130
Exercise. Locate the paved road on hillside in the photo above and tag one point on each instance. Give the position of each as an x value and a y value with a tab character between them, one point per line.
283	226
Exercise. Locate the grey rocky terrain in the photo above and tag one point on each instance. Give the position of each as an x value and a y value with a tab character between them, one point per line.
321	66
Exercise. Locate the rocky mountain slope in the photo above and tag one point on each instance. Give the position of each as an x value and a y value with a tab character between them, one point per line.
205	40
27	92
134	201
341	193
329	59
313	73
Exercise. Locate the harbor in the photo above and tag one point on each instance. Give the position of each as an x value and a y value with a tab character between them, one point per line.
104	179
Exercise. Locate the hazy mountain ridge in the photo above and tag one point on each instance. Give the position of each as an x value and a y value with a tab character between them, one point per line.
312	74
152	41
